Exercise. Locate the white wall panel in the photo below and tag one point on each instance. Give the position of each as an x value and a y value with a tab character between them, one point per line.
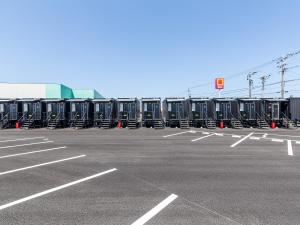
22	90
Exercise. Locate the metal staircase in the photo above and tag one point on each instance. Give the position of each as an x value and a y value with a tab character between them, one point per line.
132	124
184	124
53	123
4	123
236	124
158	124
210	123
28	123
262	124
106	124
287	123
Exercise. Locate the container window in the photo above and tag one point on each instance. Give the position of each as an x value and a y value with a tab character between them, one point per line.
242	107
73	107
49	107
145	107
1	108
169	107
97	107
217	107
25	107
193	107
121	107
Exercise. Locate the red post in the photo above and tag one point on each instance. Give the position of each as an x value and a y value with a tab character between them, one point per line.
119	124
222	124
273	124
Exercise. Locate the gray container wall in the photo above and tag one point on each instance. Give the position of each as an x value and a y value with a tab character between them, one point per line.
151	114
107	110
294	108
173	115
130	112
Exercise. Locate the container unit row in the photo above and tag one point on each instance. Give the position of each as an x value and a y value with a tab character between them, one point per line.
150	112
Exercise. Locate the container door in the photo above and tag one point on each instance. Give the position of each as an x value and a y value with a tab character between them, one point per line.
108	111
252	111
13	109
156	110
61	110
275	111
37	111
84	111
181	111
132	111
204	111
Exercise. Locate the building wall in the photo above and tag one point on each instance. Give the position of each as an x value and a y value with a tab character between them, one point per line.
22	90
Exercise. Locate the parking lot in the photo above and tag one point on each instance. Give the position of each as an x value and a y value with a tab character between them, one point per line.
148	176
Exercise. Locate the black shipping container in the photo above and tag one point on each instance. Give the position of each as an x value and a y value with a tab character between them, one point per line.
295	109
201	110
176	110
151	112
81	113
128	112
105	112
56	114
10	110
32	113
250	110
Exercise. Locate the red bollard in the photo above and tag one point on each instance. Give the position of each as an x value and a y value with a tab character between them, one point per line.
17	125
222	124
119	124
273	124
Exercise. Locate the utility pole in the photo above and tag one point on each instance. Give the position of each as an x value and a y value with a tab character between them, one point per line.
249	78
263	81
282	66
189	93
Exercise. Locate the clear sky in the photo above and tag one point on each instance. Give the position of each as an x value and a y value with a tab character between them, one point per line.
147	48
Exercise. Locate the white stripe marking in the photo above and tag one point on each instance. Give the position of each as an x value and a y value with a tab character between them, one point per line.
290	148
277	140
22	139
38	165
27	153
197	139
298	142
54	189
241	140
254	138
236	136
145	218
219	134
265	135
36	143
170	135
205	132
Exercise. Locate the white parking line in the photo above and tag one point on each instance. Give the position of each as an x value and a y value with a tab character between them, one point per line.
54	189
241	140
265	135
254	138
21	139
27	153
38	165
276	140
219	134
236	136
145	218
170	135
205	132
36	143
290	148
297	142
197	139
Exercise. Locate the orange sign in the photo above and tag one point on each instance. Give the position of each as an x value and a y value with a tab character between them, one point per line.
219	83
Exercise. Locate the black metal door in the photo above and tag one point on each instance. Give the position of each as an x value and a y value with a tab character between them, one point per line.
13	111
61	110
156	110
275	111
84	111
132	111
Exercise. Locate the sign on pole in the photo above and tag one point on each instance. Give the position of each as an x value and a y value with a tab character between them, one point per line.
219	84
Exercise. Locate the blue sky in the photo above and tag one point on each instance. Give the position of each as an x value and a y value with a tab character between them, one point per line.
147	48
